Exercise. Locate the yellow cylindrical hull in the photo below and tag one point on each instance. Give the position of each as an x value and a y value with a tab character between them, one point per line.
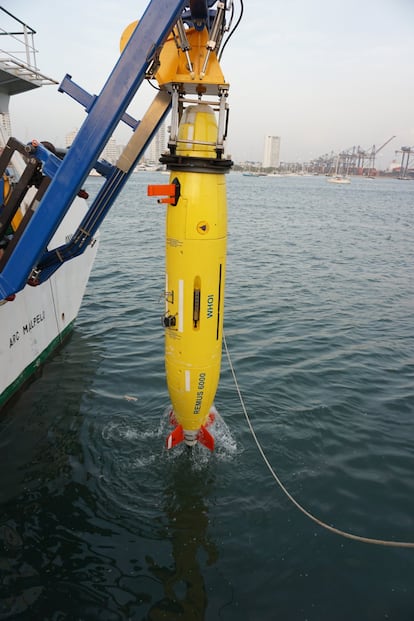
196	230
195	277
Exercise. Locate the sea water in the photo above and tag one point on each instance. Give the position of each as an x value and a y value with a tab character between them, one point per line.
99	522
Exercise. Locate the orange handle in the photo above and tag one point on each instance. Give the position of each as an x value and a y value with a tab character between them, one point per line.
168	189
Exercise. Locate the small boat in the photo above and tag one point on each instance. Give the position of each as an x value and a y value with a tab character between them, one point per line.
339	179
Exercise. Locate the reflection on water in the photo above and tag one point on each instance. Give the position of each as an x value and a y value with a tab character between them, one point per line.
38	436
185	507
37	432
19	585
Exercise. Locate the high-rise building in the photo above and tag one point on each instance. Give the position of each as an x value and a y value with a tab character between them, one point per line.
157	146
271	155
5	123
110	153
70	137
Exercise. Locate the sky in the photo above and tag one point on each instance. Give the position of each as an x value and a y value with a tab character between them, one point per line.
324	75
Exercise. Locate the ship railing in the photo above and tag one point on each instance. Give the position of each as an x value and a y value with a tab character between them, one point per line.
17	49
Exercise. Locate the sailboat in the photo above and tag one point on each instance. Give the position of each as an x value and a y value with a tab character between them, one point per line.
337	177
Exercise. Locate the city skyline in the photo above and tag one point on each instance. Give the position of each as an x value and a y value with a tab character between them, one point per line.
113	149
323	83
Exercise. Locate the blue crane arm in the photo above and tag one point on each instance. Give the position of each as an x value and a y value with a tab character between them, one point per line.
116	177
105	113
59	179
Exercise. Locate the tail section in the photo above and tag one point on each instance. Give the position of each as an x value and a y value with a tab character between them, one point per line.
175	437
203	436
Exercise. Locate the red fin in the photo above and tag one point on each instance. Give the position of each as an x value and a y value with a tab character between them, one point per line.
173	420
210	419
175	437
205	438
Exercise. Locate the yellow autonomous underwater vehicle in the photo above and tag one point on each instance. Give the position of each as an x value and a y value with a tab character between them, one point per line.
44	229
196	230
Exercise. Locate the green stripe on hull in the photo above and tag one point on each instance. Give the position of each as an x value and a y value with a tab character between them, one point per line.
26	374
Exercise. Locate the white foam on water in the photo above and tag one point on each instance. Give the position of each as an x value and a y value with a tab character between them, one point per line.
141	462
225	449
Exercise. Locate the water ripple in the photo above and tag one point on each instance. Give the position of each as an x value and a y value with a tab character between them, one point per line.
100	521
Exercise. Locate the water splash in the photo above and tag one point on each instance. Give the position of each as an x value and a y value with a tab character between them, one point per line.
225	450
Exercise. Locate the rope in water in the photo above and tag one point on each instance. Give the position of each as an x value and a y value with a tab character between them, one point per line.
332	529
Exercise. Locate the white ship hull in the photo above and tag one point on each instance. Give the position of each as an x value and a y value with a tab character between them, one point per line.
39	318
36	319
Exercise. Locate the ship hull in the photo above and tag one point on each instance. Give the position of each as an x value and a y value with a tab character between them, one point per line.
39	318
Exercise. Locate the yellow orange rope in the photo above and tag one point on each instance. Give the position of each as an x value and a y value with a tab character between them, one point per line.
332	529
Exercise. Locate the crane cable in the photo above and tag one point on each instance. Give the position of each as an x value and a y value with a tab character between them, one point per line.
332	529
